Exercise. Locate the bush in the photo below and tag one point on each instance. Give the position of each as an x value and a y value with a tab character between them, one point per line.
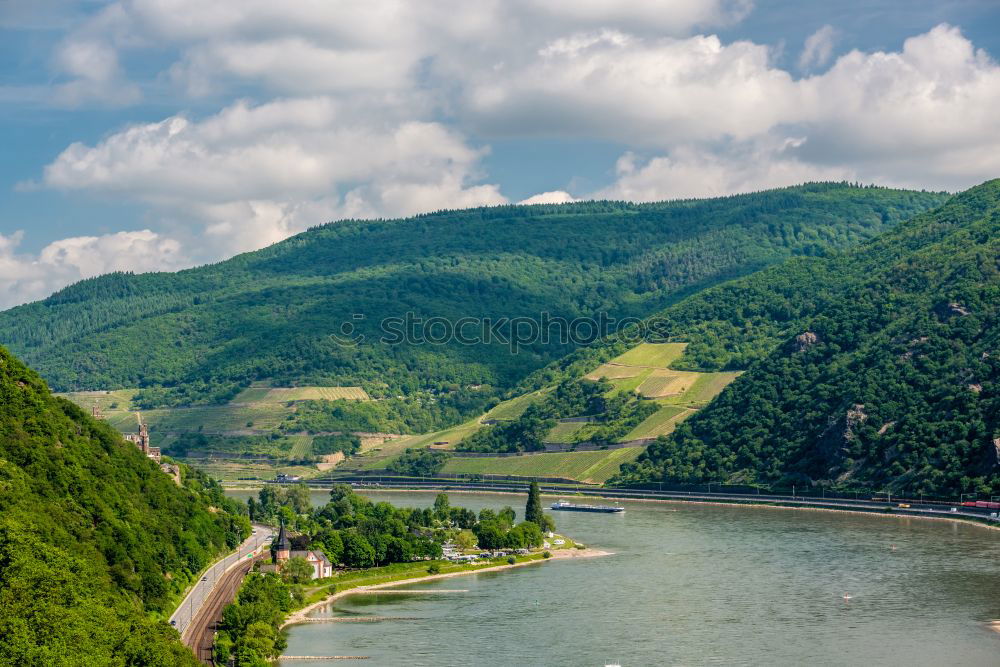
546	554
511	560
434	568
419	462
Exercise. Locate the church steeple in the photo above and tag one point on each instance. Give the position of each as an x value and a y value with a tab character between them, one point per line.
283	548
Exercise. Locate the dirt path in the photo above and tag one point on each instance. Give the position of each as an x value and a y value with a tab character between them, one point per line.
300	615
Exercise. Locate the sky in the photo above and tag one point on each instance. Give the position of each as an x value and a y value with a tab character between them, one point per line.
144	135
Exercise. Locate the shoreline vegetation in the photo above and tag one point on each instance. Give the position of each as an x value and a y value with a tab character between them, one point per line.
420	574
774	504
354	544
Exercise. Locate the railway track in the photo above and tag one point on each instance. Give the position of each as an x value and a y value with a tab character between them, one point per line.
200	635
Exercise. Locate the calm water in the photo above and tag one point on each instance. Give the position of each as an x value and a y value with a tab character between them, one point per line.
697	585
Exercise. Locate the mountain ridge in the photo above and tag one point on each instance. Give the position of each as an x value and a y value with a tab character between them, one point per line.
893	382
200	335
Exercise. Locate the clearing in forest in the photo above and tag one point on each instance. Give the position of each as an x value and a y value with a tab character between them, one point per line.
661	383
613	372
655	355
593	467
284	394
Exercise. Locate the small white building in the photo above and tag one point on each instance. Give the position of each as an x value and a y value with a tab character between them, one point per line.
322	567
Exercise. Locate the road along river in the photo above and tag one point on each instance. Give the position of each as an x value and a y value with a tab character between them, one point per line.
204	587
695	584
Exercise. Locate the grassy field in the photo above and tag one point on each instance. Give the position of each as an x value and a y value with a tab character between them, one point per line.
217	418
403	572
661	383
284	394
656	355
629	384
259	416
661	422
301	446
613	372
379	456
708	386
564	432
261	409
513	408
590	467
237	471
105	399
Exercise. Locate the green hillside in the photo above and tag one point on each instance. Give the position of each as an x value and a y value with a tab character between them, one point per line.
878	367
96	542
634	395
278	315
618	411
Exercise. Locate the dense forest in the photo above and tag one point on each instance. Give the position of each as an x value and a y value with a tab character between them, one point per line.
294	313
878	367
96	542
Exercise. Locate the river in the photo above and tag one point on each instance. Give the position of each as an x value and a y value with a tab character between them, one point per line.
696	585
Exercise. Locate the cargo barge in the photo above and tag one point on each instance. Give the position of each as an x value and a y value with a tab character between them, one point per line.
570	507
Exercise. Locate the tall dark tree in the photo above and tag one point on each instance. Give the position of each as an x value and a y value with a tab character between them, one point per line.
533	510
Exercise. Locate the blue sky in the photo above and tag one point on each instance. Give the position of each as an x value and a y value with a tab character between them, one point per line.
158	134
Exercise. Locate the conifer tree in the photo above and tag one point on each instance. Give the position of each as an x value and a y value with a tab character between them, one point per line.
533	510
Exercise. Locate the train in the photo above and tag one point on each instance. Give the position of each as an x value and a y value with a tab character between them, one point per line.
981	504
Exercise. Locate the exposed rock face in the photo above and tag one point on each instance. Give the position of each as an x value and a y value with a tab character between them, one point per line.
976	388
855	416
996	451
906	356
958	309
833	443
885	427
805	340
173	470
951	309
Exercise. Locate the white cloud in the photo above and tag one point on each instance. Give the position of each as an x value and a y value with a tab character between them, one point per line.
642	92
552	197
97	75
660	16
313	46
377	101
818	48
720	118
693	172
27	277
253	175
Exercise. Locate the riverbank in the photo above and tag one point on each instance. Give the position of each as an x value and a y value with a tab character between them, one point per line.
798	503
559	554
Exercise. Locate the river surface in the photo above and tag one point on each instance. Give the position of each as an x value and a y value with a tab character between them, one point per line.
695	585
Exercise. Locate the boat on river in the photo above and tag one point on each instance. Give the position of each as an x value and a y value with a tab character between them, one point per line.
572	507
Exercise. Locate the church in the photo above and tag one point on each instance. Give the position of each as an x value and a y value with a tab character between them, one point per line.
282	551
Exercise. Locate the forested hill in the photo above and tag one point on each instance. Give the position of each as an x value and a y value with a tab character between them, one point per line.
887	374
95	540
269	315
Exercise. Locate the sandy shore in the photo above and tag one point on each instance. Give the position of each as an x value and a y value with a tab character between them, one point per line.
994	626
560	554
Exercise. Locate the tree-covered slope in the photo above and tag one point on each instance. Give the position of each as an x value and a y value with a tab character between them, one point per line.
877	367
273	314
95	541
